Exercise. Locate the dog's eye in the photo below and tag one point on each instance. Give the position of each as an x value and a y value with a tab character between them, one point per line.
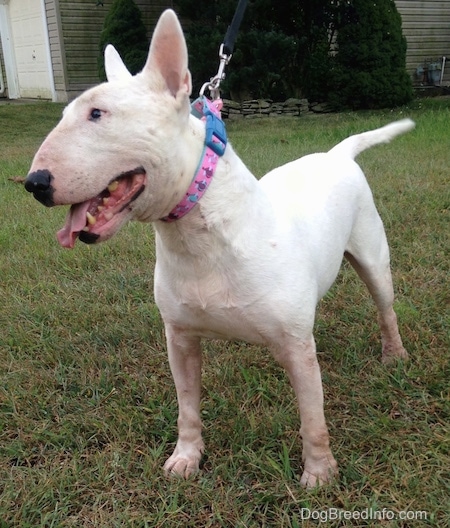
95	114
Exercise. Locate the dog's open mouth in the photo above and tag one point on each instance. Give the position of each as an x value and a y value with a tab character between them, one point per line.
88	220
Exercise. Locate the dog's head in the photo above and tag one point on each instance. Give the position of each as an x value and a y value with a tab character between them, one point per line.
114	154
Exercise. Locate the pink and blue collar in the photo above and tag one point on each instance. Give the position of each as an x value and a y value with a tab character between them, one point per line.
214	148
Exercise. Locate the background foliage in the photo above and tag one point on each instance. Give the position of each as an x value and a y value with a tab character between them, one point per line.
125	30
368	70
349	53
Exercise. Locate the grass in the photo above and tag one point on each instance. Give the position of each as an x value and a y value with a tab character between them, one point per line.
87	403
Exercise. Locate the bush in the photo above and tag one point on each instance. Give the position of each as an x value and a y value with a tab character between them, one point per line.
262	66
368	70
125	30
264	58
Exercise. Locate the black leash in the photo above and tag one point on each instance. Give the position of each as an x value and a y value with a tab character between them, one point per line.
233	28
226	51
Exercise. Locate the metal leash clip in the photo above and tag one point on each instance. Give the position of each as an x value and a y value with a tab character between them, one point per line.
214	83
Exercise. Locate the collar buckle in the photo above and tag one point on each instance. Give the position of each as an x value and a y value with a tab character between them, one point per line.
216	136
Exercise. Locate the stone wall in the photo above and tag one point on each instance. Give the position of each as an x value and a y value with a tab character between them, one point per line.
257	108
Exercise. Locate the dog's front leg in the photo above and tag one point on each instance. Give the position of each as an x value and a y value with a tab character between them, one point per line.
299	359
185	363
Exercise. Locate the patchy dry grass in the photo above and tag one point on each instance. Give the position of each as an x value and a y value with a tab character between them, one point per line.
87	404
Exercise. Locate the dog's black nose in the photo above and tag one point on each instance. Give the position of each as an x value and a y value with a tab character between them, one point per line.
40	184
88	238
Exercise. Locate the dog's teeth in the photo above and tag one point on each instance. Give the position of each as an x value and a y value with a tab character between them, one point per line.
105	201
108	215
90	219
100	208
86	229
113	186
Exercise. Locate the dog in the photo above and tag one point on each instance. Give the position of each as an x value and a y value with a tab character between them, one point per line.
249	260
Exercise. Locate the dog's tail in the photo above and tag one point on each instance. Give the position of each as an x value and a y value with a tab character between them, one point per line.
354	145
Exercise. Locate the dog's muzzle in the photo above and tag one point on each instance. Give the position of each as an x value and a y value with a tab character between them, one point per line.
40	184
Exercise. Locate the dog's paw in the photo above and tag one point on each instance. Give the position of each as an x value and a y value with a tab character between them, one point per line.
183	463
319	473
392	354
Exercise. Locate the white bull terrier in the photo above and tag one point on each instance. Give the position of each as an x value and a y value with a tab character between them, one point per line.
249	261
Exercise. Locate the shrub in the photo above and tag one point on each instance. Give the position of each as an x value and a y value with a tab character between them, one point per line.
125	30
264	58
262	66
368	70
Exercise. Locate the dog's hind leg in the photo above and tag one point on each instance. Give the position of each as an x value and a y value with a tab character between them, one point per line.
298	357
185	361
368	253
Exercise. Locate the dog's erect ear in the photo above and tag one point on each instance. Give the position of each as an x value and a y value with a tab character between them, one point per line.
167	60
114	66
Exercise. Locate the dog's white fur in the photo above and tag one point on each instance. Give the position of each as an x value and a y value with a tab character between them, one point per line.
252	259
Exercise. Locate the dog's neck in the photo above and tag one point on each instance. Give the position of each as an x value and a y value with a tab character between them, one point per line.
232	201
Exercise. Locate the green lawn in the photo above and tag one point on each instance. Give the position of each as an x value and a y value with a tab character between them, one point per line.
87	403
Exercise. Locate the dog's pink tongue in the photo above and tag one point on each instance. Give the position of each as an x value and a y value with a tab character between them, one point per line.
75	222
